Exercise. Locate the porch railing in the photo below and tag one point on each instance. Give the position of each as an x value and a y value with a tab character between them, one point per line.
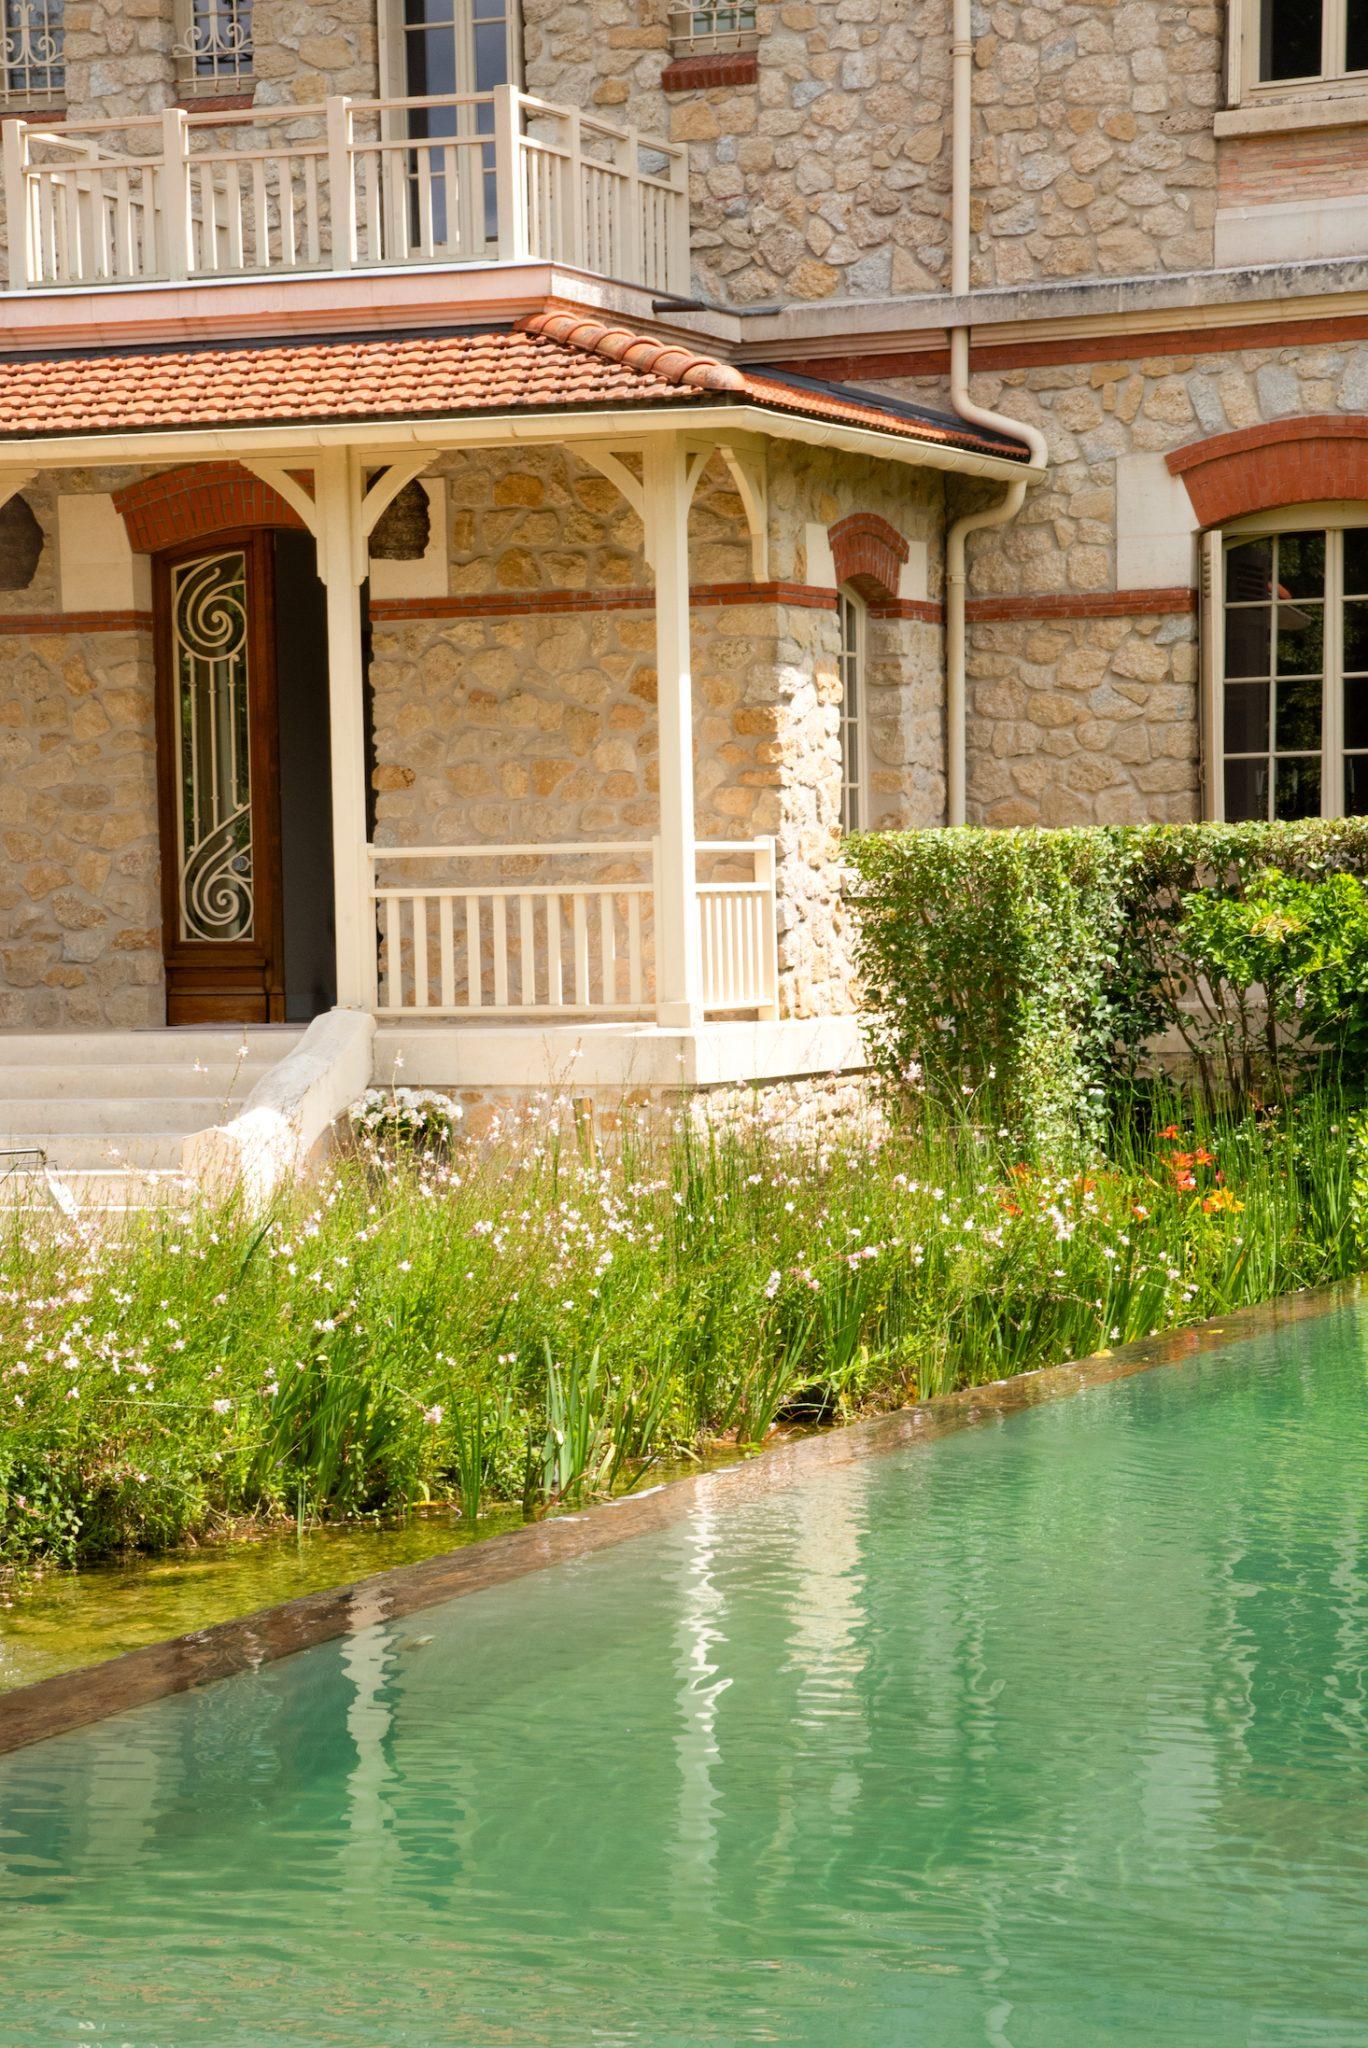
578	942
346	185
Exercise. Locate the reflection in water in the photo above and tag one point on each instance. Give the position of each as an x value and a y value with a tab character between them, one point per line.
1048	1735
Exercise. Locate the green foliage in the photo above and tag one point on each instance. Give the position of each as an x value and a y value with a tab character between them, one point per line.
1304	945
1033	973
543	1323
986	959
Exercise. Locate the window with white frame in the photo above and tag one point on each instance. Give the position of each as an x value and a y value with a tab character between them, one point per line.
32	58
1286	654
1283	43
214	46
717	28
852	663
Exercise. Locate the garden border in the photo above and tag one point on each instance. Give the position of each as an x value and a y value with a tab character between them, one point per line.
75	1699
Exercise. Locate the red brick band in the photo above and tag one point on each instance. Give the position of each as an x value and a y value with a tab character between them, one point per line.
697	74
510	604
1099	604
1281	462
856	366
922	609
16	624
201	498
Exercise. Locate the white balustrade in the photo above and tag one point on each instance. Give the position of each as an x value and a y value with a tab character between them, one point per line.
347	185
581	944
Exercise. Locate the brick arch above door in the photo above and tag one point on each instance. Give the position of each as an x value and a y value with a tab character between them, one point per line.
1281	462
198	500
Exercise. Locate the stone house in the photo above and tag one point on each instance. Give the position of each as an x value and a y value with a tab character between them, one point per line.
489	493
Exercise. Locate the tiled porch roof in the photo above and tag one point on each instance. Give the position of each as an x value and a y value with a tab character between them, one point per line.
548	362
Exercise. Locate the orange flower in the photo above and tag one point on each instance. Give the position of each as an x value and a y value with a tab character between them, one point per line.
1221	1201
1170	1131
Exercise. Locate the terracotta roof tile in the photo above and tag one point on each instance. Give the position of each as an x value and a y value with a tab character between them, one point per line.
547	362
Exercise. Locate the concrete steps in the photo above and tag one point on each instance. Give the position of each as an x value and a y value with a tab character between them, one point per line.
108	1113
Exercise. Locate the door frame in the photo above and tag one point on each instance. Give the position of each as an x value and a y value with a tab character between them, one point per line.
206	977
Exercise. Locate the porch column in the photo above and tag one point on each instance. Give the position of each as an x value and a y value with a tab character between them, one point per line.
668	481
342	555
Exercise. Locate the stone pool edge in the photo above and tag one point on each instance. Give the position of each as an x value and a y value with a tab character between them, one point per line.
75	1699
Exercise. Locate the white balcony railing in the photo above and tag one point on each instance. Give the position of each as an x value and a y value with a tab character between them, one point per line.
577	943
348	185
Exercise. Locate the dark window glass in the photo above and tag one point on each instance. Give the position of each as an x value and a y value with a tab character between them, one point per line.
1356	36
1249	572
1301	639
1355	714
1301	564
1355	638
1290	39
1297	789
1356	786
1356	561
1246	789
1299	717
1248	647
1246	718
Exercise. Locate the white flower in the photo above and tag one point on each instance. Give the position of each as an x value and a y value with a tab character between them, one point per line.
772	1284
433	1415
223	1407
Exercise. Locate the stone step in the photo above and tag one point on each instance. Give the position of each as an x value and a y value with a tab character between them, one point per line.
184	1044
83	1080
106	1151
46	1117
93	1191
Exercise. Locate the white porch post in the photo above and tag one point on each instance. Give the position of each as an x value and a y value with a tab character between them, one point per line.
679	962
338	491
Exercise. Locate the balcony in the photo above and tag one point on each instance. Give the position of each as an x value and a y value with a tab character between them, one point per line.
345	186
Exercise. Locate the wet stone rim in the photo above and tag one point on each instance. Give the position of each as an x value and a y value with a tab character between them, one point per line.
75	1699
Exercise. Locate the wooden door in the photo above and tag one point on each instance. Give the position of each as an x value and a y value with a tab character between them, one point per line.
218	782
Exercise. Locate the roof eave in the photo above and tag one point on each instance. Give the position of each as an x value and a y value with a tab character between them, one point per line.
143	445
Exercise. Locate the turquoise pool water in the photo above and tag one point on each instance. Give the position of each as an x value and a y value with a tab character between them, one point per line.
1051	1734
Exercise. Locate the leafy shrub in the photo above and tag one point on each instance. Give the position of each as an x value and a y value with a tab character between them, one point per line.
987	961
419	1118
1303	946
1033	971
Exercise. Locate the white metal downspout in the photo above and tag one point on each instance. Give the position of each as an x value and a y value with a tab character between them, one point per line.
1007	507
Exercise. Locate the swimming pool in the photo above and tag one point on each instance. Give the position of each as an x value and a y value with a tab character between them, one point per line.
1044	1734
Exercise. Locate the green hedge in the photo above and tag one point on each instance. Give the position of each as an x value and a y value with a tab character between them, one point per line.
1029	972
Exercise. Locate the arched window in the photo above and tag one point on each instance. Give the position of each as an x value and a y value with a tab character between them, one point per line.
1287	665
854	719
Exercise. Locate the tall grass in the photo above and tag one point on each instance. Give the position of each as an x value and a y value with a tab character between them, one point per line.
542	1322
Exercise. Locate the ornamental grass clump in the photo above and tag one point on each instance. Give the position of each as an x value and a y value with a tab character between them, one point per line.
544	1322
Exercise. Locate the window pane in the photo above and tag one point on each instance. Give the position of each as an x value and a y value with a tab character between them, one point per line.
1299	717
1356	557
491	56
1301	564
1356	786
1246	790
1355	715
1249	572
1298	789
1246	718
1356	39
1290	39
1301	639
1355	638
1248	649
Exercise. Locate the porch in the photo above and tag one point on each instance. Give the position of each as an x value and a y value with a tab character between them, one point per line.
346	186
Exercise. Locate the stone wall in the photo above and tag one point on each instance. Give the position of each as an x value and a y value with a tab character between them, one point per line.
120	58
829	176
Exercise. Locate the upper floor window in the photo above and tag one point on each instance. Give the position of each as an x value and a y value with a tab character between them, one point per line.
1288	711
458	46
32	71
214	46
718	26
1299	41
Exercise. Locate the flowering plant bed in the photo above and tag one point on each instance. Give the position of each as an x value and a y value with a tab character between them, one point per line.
543	1321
